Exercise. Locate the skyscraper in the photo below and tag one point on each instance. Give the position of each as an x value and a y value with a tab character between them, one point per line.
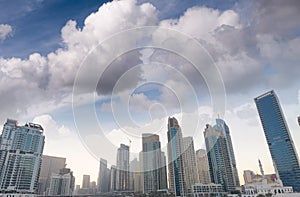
152	163
62	183
222	127
280	142
189	163
21	149
202	166
220	166
103	176
176	171
50	165
136	176
113	178
122	175
86	181
164	179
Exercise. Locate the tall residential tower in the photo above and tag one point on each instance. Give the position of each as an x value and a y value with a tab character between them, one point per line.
122	173
21	149
220	165
177	185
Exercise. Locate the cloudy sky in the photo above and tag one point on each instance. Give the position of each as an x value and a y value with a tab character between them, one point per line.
94	76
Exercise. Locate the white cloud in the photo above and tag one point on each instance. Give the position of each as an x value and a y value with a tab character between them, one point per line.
5	31
52	129
49	79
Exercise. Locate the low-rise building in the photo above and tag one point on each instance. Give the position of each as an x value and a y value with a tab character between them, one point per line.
256	188
207	190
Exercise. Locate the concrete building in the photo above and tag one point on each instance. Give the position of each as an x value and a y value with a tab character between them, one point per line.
21	149
248	176
62	183
208	190
49	166
85	181
189	163
279	140
202	166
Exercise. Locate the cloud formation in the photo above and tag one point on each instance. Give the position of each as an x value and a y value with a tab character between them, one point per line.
246	46
5	31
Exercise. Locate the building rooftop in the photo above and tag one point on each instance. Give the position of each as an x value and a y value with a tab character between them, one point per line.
35	126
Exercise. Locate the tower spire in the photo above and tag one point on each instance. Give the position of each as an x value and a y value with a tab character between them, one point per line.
261	169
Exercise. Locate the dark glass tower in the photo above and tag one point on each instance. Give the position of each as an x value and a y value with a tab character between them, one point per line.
279	140
176	171
219	160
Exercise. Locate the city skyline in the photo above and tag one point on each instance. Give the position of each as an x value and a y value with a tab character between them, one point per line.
181	160
254	48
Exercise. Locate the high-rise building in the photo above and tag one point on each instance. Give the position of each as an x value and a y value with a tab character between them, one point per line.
222	127
220	166
152	163
142	172
164	177
176	171
248	176
202	167
113	178
49	166
85	181
189	163
62	183
280	142
103	176
21	149
122	176
136	183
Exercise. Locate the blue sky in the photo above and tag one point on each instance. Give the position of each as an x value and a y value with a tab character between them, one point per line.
37	24
43	43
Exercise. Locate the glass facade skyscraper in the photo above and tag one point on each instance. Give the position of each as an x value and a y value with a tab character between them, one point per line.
279	140
21	149
219	158
222	127
122	173
103	177
176	170
153	164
